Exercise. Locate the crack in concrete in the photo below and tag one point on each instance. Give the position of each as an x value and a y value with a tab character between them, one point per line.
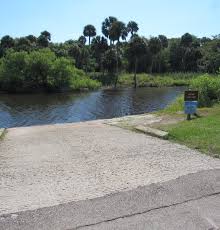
147	211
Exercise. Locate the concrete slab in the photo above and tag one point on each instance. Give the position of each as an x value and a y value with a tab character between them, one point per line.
42	168
200	214
126	208
152	132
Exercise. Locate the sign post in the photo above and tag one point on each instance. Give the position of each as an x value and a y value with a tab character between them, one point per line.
191	103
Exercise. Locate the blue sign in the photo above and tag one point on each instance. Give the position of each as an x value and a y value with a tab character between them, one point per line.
191	107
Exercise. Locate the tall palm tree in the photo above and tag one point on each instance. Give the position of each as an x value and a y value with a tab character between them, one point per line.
106	25
132	27
89	31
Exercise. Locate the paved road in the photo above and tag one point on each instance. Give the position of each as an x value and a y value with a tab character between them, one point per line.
93	172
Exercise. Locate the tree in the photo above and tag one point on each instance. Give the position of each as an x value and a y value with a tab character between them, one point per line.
82	40
75	53
155	48
106	25
44	39
47	35
89	31
23	44
7	42
175	54
136	49
210	61
110	61
12	74
32	39
190	52
118	30
164	44
39	67
98	46
132	27
164	41
186	40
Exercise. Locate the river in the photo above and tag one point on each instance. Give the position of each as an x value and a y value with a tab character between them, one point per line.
37	109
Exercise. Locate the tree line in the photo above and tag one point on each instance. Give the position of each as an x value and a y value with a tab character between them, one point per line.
121	48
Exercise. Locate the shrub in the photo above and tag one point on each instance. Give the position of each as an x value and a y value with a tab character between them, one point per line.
13	70
209	89
23	72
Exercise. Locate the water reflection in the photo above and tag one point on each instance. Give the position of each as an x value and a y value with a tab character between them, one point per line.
25	110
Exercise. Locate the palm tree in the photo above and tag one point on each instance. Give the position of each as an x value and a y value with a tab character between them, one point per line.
89	31
106	25
46	34
155	48
136	50
82	40
44	39
132	27
118	30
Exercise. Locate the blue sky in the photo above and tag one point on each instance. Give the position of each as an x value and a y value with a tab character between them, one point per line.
65	19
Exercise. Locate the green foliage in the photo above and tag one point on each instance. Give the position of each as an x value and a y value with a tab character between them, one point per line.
118	30
174	107
209	89
89	31
13	70
44	39
106	25
202	134
41	70
148	80
110	60
123	50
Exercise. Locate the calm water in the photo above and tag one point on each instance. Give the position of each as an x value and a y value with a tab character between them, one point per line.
25	110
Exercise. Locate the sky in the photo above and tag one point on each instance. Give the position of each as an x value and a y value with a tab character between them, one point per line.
65	19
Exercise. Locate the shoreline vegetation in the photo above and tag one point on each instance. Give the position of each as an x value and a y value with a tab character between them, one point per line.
36	63
202	133
70	79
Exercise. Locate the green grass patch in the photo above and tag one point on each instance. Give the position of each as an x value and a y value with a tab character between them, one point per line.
157	80
174	107
201	133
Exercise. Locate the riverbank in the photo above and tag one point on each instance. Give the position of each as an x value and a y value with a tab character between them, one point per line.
149	80
157	80
201	133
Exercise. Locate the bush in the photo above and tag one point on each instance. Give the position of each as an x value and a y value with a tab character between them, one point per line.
25	72
13	70
209	89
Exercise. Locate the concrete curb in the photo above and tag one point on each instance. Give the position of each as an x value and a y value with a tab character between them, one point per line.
152	132
2	132
77	214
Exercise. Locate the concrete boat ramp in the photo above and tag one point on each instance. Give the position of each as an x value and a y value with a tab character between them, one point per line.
93	175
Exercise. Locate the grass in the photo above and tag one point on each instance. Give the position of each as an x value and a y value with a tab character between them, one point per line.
201	133
175	107
158	80
2	133
84	83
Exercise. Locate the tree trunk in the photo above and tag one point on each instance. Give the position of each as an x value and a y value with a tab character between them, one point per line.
89	40
160	62
116	77
135	73
151	68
